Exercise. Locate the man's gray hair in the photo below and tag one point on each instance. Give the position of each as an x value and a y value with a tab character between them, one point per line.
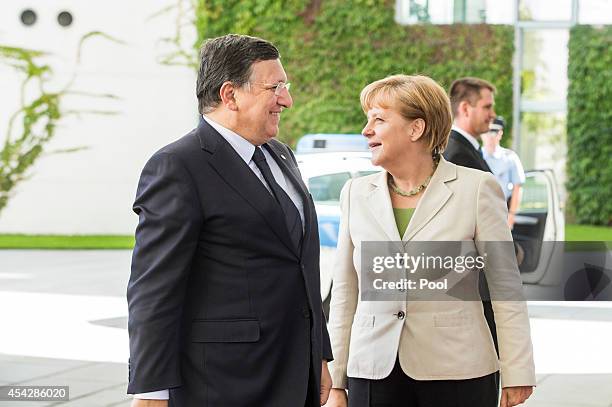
228	58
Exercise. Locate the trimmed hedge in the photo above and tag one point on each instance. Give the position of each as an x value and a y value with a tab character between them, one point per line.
589	125
332	49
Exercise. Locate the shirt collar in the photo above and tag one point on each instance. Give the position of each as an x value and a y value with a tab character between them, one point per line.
242	146
467	136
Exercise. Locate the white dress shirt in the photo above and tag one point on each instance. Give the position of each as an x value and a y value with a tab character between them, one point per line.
467	136
245	150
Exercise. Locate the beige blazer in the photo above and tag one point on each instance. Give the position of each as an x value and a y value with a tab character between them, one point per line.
436	339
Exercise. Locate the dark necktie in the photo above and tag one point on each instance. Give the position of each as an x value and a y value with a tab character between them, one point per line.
480	152
292	215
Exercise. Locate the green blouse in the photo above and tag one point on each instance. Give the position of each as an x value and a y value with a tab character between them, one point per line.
402	218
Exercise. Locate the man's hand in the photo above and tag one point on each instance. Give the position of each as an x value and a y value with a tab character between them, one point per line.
326	383
513	396
337	398
149	403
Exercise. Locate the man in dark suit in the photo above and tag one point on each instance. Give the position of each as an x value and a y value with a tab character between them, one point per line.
472	101
224	303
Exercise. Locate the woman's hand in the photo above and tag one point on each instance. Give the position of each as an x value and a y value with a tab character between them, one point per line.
337	398
513	396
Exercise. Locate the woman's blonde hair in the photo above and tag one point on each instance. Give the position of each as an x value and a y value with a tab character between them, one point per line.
414	97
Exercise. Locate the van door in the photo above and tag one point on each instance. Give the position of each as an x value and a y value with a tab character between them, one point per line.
539	219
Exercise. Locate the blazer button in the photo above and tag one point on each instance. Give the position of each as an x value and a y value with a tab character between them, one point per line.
400	315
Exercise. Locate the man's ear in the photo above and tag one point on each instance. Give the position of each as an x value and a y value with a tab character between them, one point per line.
418	128
463	107
228	95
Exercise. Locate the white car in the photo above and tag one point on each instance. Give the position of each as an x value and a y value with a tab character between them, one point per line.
325	174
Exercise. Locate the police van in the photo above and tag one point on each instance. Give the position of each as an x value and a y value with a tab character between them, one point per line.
322	142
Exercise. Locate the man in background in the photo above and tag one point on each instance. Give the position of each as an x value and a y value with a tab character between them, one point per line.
472	101
505	165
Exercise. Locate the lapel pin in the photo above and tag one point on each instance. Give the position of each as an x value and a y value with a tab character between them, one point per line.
283	157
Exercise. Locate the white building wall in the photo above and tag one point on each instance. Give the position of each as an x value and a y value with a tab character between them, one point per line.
91	191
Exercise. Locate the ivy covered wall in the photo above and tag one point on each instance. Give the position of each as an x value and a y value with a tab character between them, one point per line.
589	125
331	49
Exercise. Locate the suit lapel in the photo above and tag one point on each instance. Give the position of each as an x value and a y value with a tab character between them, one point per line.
283	161
293	176
468	147
241	179
378	202
434	198
483	162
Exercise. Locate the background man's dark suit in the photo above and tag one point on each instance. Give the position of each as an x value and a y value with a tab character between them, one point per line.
223	309
461	152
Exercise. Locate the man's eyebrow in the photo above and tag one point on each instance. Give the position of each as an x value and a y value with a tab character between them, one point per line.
272	81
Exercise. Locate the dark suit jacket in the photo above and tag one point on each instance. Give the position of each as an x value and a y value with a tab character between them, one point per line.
223	309
459	151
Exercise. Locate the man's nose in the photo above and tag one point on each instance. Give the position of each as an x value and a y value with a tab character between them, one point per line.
285	99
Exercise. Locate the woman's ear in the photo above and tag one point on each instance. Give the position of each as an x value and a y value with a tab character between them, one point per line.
228	96
417	129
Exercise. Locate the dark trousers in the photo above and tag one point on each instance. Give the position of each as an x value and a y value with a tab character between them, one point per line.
399	390
312	398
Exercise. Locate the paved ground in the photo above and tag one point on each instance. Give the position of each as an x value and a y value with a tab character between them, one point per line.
91	383
64	313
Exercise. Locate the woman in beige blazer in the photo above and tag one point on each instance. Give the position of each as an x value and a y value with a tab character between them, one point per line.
422	353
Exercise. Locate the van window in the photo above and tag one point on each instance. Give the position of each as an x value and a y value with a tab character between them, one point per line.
535	194
326	188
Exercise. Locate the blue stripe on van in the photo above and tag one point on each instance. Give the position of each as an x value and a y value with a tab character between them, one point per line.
328	230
